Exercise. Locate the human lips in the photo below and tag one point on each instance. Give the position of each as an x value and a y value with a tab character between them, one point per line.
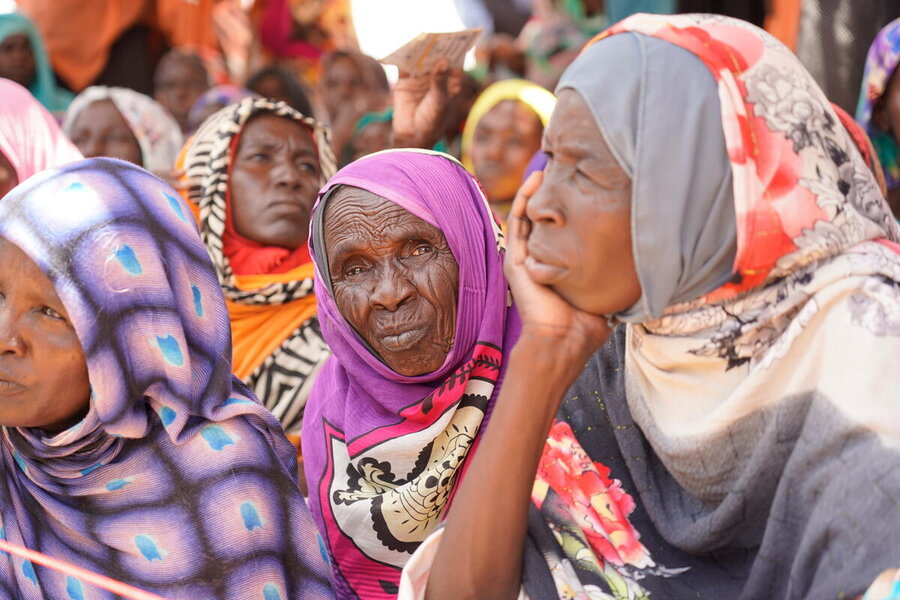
399	340
541	266
9	387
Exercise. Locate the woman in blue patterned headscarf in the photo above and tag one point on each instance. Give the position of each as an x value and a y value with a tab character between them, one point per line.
149	463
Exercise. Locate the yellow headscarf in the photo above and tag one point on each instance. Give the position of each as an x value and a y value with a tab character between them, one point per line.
539	99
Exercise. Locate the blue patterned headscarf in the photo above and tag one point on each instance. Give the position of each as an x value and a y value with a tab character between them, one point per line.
177	481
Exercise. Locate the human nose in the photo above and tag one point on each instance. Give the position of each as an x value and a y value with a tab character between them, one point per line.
286	173
93	146
10	337
542	208
392	289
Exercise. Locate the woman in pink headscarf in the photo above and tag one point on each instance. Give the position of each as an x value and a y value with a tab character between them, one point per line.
30	139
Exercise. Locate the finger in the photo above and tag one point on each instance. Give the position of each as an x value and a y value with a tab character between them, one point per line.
526	191
439	76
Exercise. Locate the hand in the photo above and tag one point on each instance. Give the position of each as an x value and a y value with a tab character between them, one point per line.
421	105
544	313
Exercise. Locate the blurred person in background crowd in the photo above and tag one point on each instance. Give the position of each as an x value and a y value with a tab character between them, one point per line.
252	172
101	42
124	124
351	84
555	34
30	139
879	105
502	133
180	79
213	100
279	83
371	134
23	60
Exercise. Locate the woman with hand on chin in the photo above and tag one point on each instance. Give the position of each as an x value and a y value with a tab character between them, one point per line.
738	435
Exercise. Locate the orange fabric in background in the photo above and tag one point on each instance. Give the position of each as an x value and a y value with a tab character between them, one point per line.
187	22
78	34
783	21
258	329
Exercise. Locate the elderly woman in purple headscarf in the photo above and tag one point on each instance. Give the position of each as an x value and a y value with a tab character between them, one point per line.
415	307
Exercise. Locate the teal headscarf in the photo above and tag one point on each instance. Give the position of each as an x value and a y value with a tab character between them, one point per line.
43	87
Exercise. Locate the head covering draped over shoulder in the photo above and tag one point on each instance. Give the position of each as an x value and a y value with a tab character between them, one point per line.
155	129
532	95
365	423
44	88
881	64
29	136
277	344
725	411
177	481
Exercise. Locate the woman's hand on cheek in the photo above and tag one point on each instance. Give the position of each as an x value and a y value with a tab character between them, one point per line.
546	317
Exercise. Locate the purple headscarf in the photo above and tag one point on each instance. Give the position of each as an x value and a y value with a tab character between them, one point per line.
383	451
881	63
177	481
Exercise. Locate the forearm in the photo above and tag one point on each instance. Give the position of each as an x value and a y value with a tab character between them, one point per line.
480	555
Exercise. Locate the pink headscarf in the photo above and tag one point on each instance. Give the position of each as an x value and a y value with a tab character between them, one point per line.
30	138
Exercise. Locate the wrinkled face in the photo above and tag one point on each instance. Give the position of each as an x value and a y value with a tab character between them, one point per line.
8	176
394	278
101	130
505	140
373	138
17	59
178	83
343	82
580	243
275	175
43	373
886	113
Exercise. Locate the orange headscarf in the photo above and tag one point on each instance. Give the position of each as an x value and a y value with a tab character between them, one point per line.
269	291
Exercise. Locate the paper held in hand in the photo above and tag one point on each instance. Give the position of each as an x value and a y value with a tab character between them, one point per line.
418	56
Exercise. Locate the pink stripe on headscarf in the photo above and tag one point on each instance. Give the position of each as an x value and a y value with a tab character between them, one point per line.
30	138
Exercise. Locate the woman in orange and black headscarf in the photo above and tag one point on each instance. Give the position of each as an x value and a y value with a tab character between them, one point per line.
253	171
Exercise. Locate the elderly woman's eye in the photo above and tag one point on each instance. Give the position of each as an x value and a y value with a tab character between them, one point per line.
422	249
52	313
351	271
309	167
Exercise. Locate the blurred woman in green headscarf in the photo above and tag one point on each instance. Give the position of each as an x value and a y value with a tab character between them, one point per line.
23	60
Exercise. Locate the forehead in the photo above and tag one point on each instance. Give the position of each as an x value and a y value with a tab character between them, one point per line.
15	39
275	130
572	124
510	114
100	110
13	261
181	67
360	213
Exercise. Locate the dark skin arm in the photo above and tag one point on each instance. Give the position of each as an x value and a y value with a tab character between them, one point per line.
480	554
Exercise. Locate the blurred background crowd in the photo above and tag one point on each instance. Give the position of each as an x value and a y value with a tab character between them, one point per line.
96	66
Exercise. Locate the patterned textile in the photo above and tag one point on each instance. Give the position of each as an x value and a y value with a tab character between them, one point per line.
383	452
756	429
881	64
221	96
177	481
29	136
43	87
156	131
277	344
